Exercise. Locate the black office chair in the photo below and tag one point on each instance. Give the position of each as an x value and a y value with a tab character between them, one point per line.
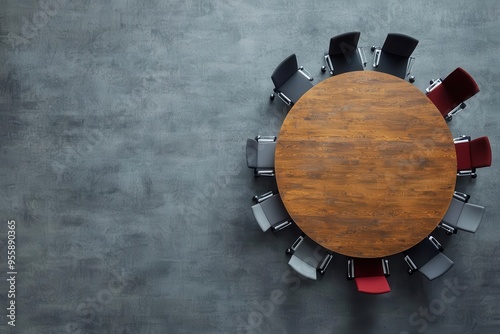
260	155
462	215
270	213
290	81
308	258
395	55
344	54
427	258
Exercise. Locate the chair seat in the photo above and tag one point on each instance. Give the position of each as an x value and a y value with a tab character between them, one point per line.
393	64
295	87
442	99
372	284
470	218
463	156
346	63
265	155
454	211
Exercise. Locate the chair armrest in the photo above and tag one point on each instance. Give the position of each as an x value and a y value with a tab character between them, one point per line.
385	266
411	265
324	263
461	139
467	172
328	62
449	229
433	85
461	196
362	56
436	243
350	269
263	197
305	73
265	138
376	57
457	109
281	225
295	245
411	62
264	172
285	98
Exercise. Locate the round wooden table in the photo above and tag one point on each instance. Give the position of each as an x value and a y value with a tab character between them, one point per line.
365	164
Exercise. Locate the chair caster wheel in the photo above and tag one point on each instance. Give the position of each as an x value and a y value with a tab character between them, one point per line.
431	82
331	72
255	198
412	79
448	118
289	251
323	69
272	97
373	48
473	176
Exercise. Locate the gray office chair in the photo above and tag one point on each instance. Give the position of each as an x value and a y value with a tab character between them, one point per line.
344	55
270	213
260	155
462	215
290	81
308	258
395	55
427	258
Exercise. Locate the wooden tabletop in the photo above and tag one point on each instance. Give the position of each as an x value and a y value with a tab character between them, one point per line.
365	164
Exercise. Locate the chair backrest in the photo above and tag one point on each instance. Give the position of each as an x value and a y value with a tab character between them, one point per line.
480	152
470	218
285	70
345	44
399	44
460	85
252	152
436	267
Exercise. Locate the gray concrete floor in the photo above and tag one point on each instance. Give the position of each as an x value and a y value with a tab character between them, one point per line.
122	132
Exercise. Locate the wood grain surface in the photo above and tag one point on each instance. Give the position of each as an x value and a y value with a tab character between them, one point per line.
365	164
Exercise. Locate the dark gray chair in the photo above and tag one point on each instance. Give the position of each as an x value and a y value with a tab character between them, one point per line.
344	55
395	55
290	81
308	258
427	258
270	213
462	215
260	155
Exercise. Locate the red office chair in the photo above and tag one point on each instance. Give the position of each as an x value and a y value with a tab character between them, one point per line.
449	95
472	154
369	275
